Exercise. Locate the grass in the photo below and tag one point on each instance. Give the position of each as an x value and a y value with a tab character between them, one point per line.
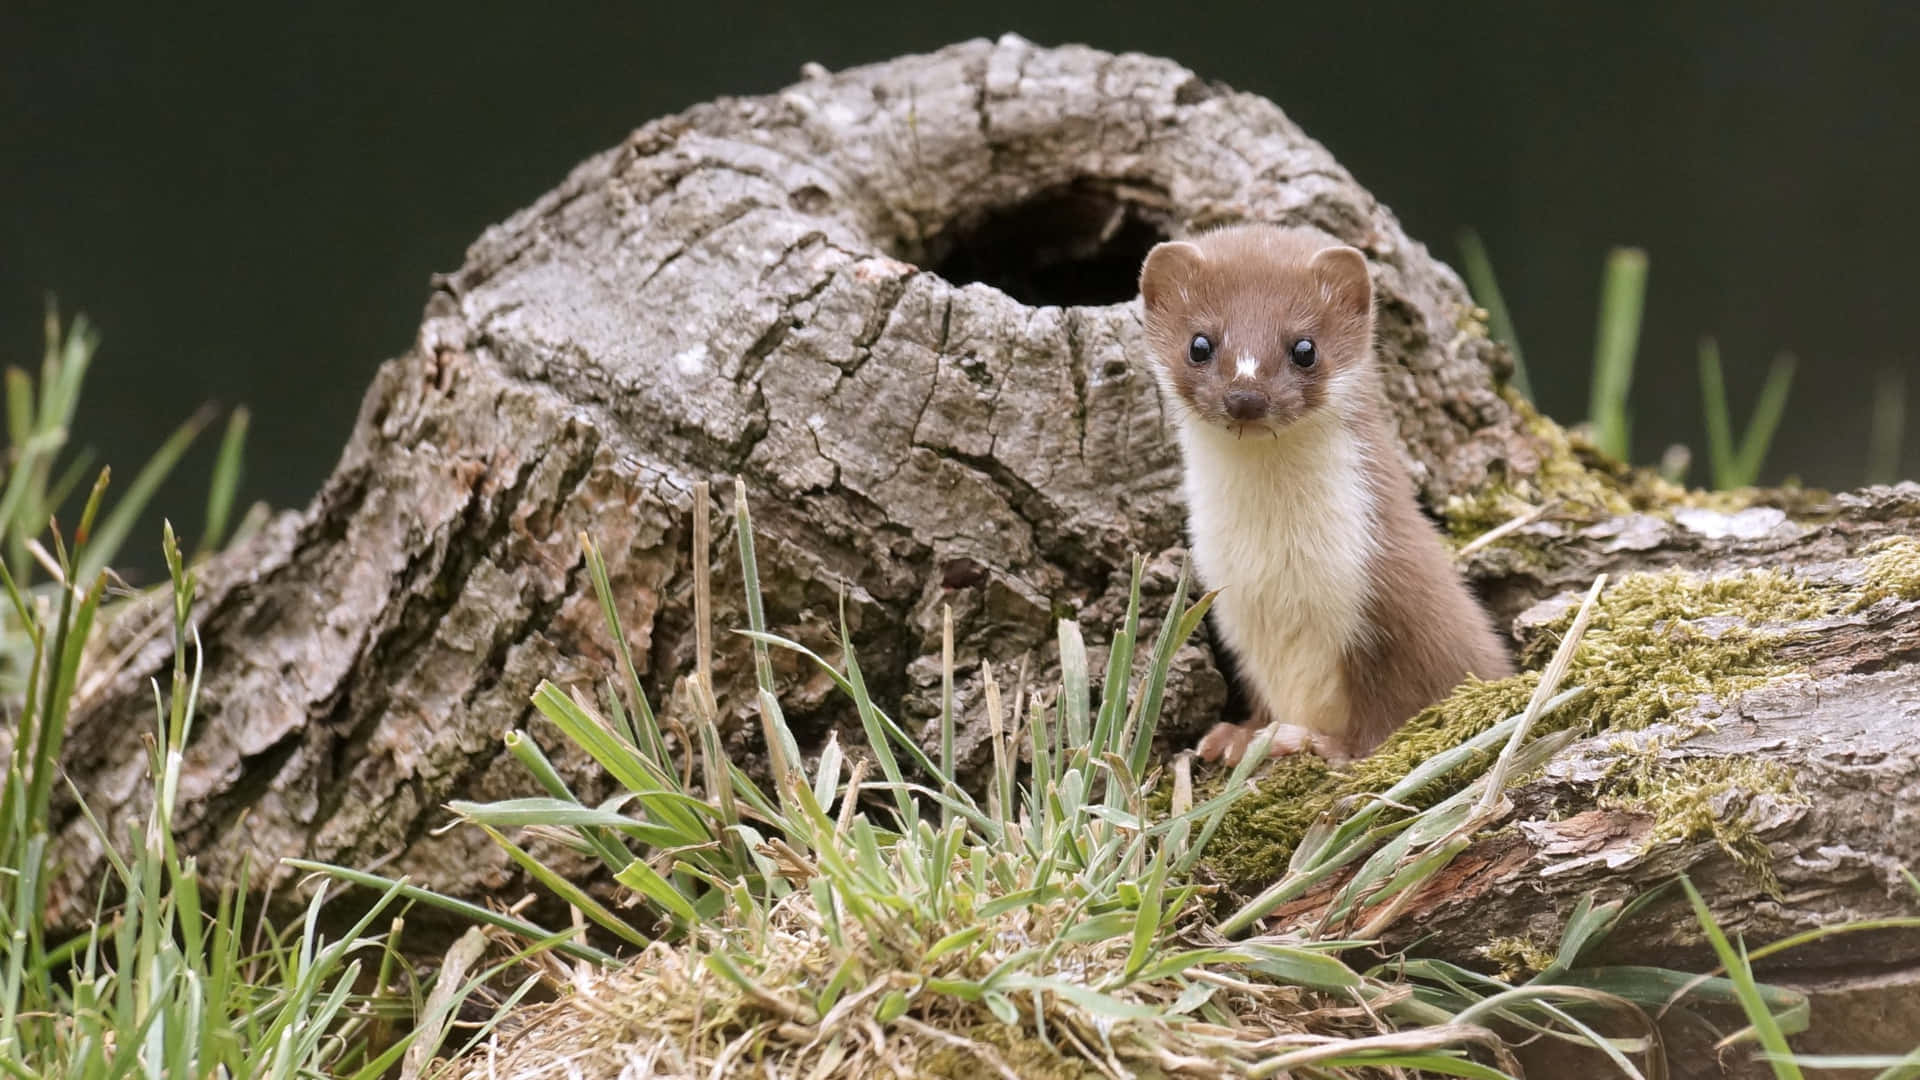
168	979
858	913
41	479
1739	466
863	914
1623	290
1733	463
1623	287
1764	1023
1886	433
1477	265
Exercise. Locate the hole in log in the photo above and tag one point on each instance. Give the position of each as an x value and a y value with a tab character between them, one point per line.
1077	244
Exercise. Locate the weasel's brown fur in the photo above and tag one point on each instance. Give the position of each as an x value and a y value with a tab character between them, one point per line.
1338	599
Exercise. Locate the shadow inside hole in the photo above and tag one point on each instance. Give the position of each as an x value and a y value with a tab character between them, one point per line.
1079	244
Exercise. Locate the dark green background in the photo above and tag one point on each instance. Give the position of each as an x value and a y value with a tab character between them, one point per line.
249	202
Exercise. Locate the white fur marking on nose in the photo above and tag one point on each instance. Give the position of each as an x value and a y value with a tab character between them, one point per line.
1248	367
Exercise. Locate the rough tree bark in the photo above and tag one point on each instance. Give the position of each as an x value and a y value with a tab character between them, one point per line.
1835	730
898	302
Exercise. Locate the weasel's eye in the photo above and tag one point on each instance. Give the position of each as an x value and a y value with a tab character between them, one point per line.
1201	350
1303	353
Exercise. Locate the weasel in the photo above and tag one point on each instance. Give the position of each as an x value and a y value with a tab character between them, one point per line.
1336	596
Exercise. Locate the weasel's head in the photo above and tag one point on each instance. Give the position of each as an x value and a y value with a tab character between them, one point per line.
1255	328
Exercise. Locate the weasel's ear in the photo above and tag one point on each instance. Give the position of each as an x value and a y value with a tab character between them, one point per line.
1342	274
1168	267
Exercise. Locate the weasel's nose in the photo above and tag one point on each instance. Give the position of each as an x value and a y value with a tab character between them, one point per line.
1246	405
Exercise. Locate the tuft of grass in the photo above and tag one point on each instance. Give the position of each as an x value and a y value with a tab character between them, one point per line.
1740	467
1404	854
39	481
1616	344
1772	1015
166	981
859	912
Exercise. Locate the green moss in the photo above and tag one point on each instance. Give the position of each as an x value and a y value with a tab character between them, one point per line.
1893	572
1583	482
1565	474
1517	957
1659	644
1703	798
1260	831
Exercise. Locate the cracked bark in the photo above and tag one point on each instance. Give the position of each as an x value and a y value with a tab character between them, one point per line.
898	302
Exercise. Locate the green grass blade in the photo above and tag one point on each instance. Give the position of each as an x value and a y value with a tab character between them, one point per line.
878	740
91	509
1617	338
1174	632
1734	960
1588	925
567	814
1887	434
1478	268
750	575
1074	693
947	719
1101	1005
1719	419
1767	412
226	482
458	908
60	388
21	611
528	753
1820	933
643	727
1295	966
1895	1067
648	882
104	545
1146	927
657	790
571	893
1428	1065
19	408
69	642
1114	696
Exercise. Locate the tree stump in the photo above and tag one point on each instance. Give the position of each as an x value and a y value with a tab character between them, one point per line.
899	302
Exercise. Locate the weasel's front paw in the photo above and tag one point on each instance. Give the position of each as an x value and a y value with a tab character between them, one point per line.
1228	743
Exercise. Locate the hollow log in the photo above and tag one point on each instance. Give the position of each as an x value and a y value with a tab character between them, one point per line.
898	301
